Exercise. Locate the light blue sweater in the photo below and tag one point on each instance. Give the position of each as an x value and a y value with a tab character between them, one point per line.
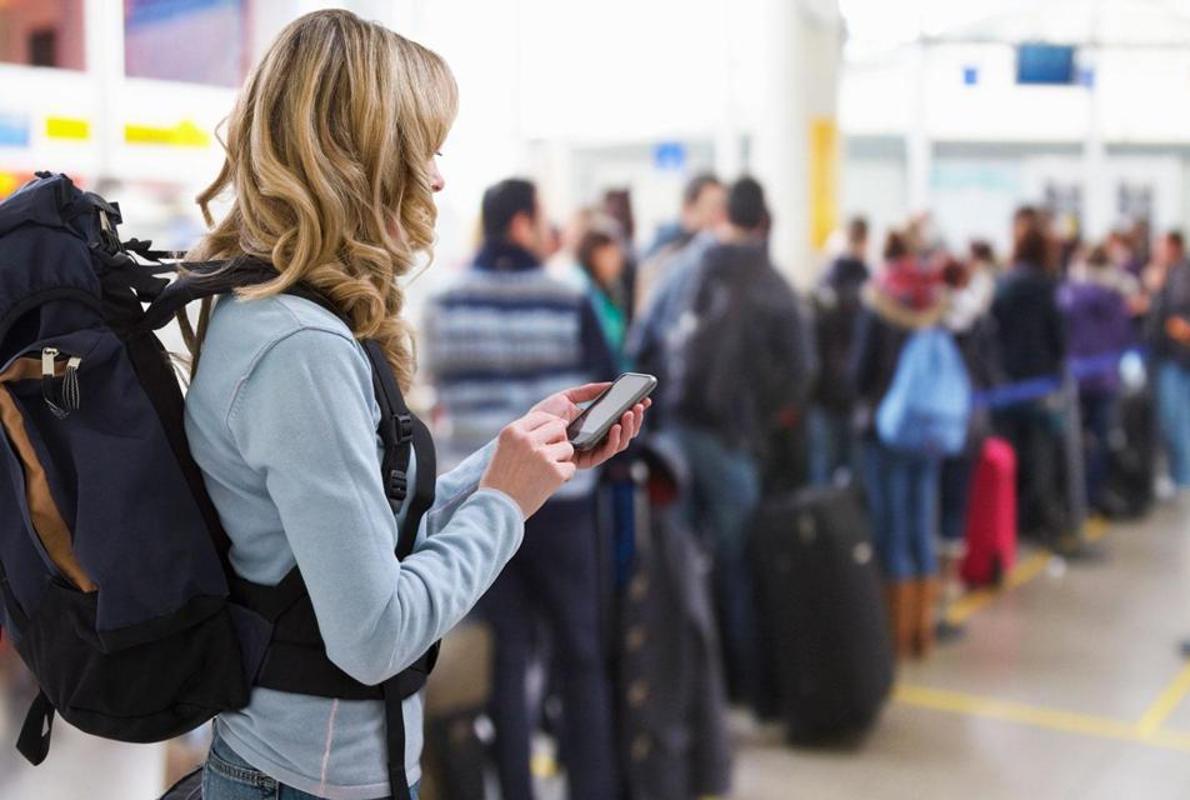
282	420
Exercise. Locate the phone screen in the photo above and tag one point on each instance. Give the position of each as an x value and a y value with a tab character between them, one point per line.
611	405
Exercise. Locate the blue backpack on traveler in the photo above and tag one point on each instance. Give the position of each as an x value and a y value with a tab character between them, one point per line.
927	409
116	586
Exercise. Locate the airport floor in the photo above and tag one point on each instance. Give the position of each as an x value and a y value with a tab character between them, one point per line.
1068	684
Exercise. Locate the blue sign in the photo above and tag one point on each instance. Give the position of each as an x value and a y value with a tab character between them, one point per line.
14	130
669	156
1086	77
970	76
1045	64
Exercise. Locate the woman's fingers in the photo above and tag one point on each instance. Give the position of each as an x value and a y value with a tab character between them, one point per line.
611	445
631	424
581	394
638	418
560	451
538	419
550	432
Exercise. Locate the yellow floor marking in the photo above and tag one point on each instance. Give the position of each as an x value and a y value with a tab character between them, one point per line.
1036	717
1165	705
1024	572
1147	730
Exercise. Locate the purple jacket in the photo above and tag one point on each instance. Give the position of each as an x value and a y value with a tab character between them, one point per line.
1096	325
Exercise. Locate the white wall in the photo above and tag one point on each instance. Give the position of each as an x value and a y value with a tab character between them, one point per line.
1145	97
1142	100
875	185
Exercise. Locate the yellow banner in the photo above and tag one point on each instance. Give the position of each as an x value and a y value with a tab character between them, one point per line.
184	134
824	180
68	128
8	183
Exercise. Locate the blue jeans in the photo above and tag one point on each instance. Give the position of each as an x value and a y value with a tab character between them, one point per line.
833	446
226	776
722	500
903	496
1173	404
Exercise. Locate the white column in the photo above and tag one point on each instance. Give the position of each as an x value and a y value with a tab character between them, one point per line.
802	51
104	22
780	139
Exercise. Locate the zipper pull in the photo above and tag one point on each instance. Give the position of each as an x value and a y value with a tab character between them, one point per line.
70	384
62	402
48	356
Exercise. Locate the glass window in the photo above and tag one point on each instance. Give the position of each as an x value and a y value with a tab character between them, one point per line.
42	33
196	41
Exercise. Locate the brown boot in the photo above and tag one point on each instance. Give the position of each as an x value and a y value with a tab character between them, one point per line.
899	596
925	599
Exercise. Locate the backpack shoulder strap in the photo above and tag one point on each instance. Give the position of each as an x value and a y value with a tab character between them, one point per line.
399	429
201	280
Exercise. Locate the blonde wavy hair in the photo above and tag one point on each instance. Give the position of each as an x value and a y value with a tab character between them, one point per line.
328	153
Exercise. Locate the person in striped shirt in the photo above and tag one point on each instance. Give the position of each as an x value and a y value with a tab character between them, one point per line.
502	336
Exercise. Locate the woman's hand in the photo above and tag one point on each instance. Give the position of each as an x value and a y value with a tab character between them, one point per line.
565	406
533	459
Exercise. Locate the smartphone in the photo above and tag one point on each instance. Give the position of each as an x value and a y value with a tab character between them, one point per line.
589	430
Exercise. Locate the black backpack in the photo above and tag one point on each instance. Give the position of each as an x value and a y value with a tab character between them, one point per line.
737	372
116	586
837	308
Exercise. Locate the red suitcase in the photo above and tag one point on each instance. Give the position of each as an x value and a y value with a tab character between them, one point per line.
991	516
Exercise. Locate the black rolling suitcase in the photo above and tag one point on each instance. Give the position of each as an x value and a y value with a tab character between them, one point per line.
822	608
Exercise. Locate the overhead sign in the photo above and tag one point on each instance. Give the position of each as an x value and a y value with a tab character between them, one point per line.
14	130
67	129
9	183
824	179
184	134
1045	64
669	156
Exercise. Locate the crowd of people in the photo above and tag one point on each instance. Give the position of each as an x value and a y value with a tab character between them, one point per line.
765	390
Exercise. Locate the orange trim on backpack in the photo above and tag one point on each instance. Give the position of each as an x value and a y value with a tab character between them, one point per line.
48	521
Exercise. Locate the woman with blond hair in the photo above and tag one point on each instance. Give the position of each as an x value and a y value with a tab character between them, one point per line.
330	167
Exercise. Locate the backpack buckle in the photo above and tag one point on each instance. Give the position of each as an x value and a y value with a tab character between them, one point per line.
398	485
108	239
404	428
